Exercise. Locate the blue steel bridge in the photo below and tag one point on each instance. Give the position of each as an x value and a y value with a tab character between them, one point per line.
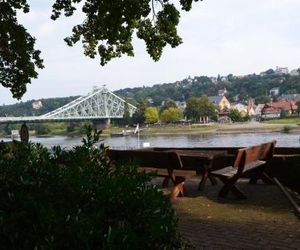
100	105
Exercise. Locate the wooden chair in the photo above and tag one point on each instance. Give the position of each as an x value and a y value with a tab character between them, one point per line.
252	160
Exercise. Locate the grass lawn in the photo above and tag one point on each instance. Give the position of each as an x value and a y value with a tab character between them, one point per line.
293	120
179	129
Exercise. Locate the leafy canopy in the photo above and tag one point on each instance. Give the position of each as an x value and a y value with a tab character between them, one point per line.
151	115
106	30
200	107
171	115
18	57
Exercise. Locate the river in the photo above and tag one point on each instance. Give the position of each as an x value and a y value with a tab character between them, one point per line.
206	140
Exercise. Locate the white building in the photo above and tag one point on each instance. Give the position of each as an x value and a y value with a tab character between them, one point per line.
274	91
37	104
281	70
294	72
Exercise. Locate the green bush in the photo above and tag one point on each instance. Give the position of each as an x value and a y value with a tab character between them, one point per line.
78	199
286	129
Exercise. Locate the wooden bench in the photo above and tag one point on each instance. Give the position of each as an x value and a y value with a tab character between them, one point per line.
252	160
164	164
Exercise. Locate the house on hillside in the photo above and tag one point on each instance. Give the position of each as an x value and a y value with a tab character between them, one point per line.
222	92
288	106
274	91
273	110
180	105
37	104
241	108
251	107
270	112
294	72
258	109
290	97
281	70
221	101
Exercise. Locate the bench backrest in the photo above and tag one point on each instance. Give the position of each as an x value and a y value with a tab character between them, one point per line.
261	152
147	158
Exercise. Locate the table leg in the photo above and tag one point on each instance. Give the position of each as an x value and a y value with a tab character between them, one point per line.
213	180
205	175
203	180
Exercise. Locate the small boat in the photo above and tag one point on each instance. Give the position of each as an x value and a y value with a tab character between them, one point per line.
123	133
15	136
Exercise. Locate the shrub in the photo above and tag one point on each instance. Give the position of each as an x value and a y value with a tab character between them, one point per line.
78	199
286	129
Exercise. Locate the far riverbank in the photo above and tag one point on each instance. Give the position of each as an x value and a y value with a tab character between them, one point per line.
212	128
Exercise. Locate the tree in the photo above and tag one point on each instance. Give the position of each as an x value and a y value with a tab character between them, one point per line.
18	57
283	113
262	99
151	115
235	115
270	72
200	107
106	30
167	104
298	107
138	116
171	115
126	115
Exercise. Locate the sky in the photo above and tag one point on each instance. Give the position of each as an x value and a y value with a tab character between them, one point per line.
219	37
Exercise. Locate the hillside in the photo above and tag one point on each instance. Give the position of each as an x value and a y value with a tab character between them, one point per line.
239	88
26	109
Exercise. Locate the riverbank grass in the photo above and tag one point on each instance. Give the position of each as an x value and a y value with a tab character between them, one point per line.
290	121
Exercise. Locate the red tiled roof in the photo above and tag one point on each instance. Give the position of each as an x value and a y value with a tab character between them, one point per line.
282	104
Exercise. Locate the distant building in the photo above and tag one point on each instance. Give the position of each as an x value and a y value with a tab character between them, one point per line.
180	105
281	70
224	78
213	79
271	110
290	97
241	108
150	100
274	91
251	107
222	92
221	101
294	72
258	109
37	104
289	106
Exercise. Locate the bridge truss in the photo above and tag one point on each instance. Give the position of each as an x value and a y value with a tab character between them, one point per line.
97	105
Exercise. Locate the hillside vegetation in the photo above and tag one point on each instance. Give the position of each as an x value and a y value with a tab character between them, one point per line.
26	109
250	86
240	87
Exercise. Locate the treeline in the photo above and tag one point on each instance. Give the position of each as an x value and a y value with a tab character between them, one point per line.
239	88
26	109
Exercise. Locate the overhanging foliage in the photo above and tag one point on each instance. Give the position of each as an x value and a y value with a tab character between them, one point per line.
106	30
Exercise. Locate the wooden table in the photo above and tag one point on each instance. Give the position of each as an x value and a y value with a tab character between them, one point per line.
201	161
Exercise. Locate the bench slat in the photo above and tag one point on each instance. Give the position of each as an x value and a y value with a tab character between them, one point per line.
246	159
231	171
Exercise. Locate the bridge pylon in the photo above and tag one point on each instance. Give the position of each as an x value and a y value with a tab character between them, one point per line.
101	124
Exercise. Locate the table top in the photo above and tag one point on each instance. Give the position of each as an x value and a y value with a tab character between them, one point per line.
205	154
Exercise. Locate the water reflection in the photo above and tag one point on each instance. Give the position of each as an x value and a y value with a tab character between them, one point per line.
206	140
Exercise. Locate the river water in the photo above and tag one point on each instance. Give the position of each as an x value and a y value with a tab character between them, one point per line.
207	140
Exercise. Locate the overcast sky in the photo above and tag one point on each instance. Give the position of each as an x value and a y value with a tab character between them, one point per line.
219	37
